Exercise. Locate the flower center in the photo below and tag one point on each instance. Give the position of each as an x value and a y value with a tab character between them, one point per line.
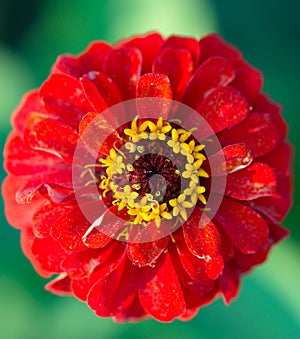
155	174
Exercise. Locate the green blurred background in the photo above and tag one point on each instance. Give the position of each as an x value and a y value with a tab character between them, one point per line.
32	34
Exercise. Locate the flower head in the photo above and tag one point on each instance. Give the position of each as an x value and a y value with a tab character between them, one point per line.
148	176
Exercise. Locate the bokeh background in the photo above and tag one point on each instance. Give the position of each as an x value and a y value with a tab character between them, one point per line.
32	34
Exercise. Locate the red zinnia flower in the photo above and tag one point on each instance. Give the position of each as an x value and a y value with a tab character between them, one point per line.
156	243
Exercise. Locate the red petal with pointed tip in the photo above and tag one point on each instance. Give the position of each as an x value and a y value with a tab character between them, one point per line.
177	64
112	295
160	292
248	79
255	181
201	235
213	44
49	254
60	286
229	282
246	229
143	254
258	132
223	108
189	44
64	98
123	67
277	232
148	45
211	74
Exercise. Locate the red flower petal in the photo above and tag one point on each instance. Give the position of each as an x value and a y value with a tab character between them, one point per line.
148	45
69	230
44	217
21	160
52	136
81	287
177	64
154	85
143	254
248	79
214	267
81	264
226	250
229	282
30	103
223	108
255	181
60	285
277	232
27	191
48	254
264	104
276	208
91	60
157	86
123	67
189	44
211	74
193	265
106	88
91	126
258	132
115	293
27	238
64	98
230	159
134	312
92	93
201	236
160	292
213	44
14	210
246	229
247	261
